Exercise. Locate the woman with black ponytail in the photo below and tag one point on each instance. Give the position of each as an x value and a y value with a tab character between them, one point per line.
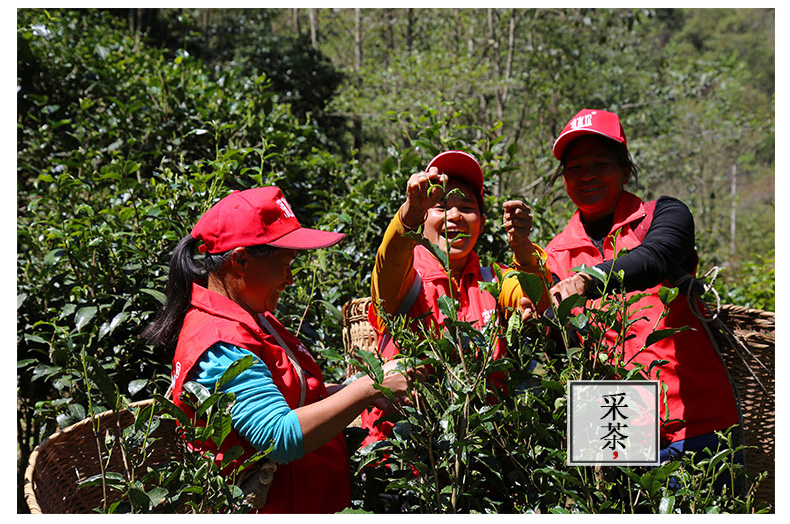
221	309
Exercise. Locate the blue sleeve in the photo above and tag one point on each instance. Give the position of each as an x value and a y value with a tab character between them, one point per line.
260	414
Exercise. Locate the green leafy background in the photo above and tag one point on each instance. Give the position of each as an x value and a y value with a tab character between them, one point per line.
131	123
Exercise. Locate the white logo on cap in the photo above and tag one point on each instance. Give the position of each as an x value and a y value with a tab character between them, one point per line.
582	121
285	207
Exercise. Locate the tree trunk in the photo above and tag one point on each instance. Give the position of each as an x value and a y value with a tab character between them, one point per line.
409	29
502	88
470	41
357	133
733	207
503	72
313	38
494	44
389	19
295	20
357	42
511	45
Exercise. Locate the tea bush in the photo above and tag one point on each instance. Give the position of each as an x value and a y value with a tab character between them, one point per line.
465	446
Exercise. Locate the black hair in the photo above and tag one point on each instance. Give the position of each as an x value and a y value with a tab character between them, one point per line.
620	151
184	271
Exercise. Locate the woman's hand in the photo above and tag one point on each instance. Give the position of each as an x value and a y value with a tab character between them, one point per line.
419	199
323	420
528	309
517	221
399	381
578	284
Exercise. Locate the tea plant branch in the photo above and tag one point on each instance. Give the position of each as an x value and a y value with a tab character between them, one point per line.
95	427
630	489
447	368
312	288
431	458
130	474
458	486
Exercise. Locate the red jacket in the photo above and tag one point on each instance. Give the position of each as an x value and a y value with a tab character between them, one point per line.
475	306
699	391
319	482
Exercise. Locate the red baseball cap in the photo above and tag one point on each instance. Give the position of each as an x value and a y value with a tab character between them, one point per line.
586	122
461	165
255	217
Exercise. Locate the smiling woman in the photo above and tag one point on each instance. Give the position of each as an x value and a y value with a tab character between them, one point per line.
659	238
266	278
455	221
221	311
593	177
446	202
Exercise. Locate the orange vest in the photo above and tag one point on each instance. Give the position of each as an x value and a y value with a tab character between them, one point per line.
319	482
474	306
699	395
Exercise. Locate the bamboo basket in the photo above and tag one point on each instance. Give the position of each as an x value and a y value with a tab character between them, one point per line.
358	334
746	341
69	456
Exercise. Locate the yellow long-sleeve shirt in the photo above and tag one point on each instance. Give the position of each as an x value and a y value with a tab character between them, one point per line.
394	273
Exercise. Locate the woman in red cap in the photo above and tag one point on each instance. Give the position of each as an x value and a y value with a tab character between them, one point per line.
595	165
408	279
221	310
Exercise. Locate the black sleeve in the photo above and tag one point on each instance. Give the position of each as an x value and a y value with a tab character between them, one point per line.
667	246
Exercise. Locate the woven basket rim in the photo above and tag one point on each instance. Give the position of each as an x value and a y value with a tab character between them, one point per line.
29	490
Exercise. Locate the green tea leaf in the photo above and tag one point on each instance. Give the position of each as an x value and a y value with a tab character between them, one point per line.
231	455
107	387
106	329
447	306
158	295
84	315
532	285
205	405
661	334
564	310
157	495
655	363
667	294
596	272
234	370
331	309
579	321
666	505
53	256
135	386
440	255
198	390
491	287
113	479
172	409
139	500
513	329
221	424
369	363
